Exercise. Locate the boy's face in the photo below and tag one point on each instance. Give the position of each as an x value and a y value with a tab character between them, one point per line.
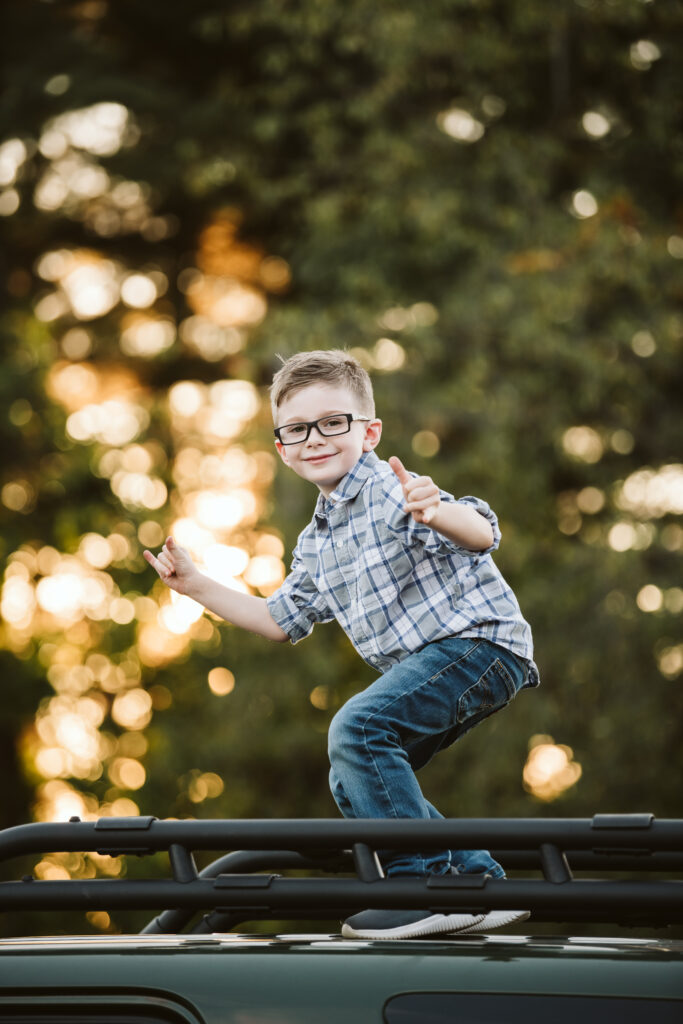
325	461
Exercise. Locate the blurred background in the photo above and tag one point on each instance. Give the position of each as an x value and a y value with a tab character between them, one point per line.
482	201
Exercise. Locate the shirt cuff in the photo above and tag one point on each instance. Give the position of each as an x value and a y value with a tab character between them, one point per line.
411	532
289	617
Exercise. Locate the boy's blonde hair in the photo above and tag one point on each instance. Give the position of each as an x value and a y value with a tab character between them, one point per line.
333	366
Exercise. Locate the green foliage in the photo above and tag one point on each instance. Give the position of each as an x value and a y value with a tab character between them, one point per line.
430	177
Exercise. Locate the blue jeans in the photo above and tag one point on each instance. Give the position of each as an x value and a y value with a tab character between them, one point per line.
383	735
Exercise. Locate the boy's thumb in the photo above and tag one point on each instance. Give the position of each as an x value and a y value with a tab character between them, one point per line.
399	469
170	543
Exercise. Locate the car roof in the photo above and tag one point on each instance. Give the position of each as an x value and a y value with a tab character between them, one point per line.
299	970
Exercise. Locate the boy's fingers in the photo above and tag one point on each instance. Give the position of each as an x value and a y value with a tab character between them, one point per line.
400	470
162	565
154	562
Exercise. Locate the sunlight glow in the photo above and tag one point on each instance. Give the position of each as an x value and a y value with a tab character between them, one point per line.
221	681
652	493
670	661
138	291
132	709
99	129
595	124
388	355
550	769
584	204
583	443
180	614
13	154
460	125
204	786
643	54
650	598
147	337
113	422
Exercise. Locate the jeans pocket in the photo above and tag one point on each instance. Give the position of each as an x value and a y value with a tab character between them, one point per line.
493	690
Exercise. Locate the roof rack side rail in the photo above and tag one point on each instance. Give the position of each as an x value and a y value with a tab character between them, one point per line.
146	835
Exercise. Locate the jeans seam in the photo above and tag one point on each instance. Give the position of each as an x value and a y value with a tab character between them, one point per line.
371	758
456	661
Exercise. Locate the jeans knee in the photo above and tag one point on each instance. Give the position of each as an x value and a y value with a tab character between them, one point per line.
339	734
347	731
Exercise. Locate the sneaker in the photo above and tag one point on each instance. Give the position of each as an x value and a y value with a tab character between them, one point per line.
406	924
495	919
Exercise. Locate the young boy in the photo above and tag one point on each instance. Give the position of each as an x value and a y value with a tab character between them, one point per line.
406	570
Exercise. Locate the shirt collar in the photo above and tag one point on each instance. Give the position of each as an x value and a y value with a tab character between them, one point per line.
350	485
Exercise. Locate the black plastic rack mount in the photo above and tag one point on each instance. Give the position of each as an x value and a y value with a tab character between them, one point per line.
234	888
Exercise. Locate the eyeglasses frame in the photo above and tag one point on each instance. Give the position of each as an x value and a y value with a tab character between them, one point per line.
309	424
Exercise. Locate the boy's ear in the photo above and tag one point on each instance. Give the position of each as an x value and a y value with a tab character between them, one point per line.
373	432
283	451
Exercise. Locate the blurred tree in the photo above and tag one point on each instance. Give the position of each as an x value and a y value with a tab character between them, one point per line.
482	200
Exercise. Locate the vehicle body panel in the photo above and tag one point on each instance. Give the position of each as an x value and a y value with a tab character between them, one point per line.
234	979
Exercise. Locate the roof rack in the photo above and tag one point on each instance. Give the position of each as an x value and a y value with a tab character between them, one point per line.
234	889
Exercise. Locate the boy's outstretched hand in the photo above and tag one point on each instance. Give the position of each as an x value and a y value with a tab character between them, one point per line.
174	566
421	493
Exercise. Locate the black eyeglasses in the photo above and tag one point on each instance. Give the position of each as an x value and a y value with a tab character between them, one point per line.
328	426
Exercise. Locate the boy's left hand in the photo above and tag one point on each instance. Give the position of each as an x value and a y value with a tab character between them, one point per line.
421	493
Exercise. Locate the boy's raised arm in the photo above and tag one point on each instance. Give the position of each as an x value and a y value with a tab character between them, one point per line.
175	567
459	523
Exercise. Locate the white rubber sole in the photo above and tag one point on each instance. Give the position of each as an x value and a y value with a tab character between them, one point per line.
495	919
437	924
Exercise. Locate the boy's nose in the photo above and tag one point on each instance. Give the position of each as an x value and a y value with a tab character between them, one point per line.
315	437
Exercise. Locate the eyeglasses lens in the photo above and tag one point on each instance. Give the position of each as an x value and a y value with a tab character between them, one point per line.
328	427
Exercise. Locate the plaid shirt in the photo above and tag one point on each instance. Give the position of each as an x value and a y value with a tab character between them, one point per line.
393	584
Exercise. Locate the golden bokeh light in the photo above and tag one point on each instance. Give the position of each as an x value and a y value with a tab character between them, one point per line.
265	572
144	336
13	154
595	124
650	598
116	422
132	709
158	646
99	129
670	661
320	698
652	493
460	125
225	561
180	613
388	355
62	601
127	773
221	681
425	444
550	769
138	291
583	204
204	786
583	443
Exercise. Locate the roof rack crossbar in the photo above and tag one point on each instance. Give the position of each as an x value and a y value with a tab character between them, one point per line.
657	899
173	921
324	835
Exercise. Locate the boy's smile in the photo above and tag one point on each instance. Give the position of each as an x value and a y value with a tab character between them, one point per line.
325	460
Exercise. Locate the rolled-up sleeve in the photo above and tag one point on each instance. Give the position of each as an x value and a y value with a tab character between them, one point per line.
411	532
297	605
